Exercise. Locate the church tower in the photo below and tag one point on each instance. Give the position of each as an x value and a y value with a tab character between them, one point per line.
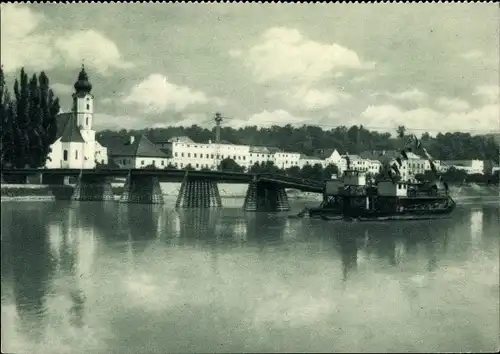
83	102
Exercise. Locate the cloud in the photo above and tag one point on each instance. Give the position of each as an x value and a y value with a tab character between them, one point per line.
21	46
388	117
116	122
268	118
235	53
62	89
472	55
488	93
285	54
310	98
155	94
25	45
452	104
102	54
414	95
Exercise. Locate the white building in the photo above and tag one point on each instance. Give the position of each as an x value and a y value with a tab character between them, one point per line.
139	152
285	160
469	166
209	155
311	161
76	146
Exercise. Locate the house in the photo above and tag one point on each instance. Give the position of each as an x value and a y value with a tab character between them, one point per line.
138	152
311	161
76	145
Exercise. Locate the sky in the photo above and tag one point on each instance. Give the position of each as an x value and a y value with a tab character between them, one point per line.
430	67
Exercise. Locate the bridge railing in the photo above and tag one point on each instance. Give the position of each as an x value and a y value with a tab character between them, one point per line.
292	179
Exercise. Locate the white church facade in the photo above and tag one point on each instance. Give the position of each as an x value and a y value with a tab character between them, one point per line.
76	146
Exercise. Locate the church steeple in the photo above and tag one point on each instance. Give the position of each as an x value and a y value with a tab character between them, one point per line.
83	85
83	101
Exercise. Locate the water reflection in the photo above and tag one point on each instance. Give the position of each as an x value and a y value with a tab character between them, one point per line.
103	270
391	244
32	268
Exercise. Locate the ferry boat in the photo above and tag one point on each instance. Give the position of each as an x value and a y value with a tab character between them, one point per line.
351	197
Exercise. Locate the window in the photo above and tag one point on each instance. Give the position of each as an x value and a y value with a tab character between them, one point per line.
163	162
65	155
142	162
211	156
182	154
189	154
206	156
195	155
87	121
176	154
76	154
197	165
88	106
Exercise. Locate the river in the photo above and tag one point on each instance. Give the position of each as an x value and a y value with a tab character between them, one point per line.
117	278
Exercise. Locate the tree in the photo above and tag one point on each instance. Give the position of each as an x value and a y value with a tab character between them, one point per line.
230	165
455	175
294	171
329	171
49	109
188	167
21	130
401	131
28	122
35	130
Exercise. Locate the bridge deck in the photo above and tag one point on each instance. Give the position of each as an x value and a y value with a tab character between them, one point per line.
173	175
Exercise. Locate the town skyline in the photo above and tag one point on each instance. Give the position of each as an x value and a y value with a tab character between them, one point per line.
435	75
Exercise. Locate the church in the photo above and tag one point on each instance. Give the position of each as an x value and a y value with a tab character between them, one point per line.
76	145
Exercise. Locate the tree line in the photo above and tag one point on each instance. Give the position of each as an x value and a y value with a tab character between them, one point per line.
310	140
28	121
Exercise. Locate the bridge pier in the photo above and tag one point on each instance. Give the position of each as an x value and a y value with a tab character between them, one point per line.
142	189
54	179
265	197
198	194
92	188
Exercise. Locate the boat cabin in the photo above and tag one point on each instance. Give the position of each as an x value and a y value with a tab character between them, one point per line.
354	178
392	189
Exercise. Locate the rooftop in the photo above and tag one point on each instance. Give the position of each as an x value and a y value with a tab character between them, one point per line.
140	147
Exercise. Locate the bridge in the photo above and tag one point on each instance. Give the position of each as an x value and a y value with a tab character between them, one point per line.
199	189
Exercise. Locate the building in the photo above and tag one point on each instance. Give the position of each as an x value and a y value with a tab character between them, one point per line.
285	160
139	152
469	166
305	160
76	146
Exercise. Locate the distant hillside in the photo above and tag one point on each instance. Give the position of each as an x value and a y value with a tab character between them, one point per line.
309	140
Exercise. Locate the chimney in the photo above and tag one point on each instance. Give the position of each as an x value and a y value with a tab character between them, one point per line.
132	139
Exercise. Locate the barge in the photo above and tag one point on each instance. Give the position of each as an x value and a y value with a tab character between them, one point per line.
352	198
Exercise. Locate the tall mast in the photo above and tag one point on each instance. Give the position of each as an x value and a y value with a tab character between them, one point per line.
218	121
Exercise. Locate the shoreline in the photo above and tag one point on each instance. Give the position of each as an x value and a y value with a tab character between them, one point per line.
43	192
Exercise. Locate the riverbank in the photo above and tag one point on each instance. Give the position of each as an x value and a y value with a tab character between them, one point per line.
32	192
